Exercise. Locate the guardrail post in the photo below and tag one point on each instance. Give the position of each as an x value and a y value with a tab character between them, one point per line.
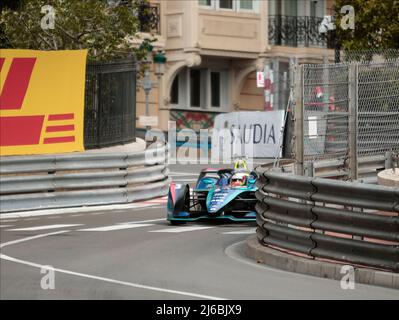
309	169
298	122
353	121
354	237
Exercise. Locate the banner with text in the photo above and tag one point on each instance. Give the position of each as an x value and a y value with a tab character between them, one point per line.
253	134
41	101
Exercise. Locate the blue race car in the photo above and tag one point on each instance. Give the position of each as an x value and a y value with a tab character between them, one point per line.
218	194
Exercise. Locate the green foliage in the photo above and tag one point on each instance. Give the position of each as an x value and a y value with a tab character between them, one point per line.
93	24
376	25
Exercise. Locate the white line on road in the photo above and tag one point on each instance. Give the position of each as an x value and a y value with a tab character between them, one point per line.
88	276
5	244
128	284
143	221
6	225
108	208
248	231
51	226
152	206
181	229
117	227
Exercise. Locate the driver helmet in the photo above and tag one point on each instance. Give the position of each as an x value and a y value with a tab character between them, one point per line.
240	164
239	179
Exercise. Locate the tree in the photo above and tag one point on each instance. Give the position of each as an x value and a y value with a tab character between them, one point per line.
376	25
102	27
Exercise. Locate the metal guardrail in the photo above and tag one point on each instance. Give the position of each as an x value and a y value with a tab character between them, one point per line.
329	219
368	168
45	182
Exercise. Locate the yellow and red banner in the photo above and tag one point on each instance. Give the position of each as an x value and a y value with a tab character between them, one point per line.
41	101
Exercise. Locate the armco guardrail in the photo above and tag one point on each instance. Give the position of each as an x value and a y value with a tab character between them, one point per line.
45	182
368	168
329	219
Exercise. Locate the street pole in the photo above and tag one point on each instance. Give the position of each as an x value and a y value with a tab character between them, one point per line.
147	86
160	104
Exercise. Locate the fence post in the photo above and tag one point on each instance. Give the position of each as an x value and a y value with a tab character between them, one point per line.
309	170
298	121
326	85
289	132
353	121
389	160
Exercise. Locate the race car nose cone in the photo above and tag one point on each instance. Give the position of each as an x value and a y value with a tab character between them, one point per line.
218	200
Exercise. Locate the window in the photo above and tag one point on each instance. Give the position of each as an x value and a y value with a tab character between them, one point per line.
236	5
174	95
226	4
246	5
206	3
195	88
290	8
313	8
215	89
200	88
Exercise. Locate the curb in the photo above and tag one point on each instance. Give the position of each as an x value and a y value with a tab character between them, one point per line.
322	269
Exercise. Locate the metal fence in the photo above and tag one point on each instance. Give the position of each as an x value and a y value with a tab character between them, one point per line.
327	219
110	103
346	111
378	108
370	55
325	108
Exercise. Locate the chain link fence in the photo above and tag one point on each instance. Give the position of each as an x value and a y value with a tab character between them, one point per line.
325	103
370	55
346	111
378	108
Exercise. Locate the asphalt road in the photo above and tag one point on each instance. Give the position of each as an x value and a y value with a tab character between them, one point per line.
135	254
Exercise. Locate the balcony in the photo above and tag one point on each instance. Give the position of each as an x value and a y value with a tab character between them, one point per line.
298	31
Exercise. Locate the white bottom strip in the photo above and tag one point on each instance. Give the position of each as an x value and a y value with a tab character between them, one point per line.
117	227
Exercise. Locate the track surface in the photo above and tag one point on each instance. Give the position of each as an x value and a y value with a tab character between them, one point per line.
135	254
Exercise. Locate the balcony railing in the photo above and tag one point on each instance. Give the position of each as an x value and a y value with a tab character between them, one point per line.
297	31
149	17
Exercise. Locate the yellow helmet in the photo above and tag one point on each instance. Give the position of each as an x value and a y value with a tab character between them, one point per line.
240	164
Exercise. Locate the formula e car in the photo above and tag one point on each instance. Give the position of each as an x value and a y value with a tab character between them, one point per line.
218	194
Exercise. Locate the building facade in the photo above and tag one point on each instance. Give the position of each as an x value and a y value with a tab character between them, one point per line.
215	47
